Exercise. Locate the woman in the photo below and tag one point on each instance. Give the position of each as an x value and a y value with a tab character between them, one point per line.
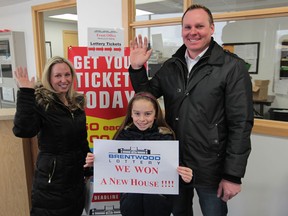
54	112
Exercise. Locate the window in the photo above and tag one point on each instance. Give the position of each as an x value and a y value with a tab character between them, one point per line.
236	22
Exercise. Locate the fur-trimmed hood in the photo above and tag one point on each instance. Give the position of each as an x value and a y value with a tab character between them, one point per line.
46	98
131	132
161	130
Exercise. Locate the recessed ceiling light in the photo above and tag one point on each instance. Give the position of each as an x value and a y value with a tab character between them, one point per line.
73	17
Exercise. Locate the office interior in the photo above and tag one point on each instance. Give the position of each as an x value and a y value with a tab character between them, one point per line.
263	190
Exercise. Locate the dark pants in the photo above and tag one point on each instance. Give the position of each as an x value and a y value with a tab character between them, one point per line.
210	204
132	204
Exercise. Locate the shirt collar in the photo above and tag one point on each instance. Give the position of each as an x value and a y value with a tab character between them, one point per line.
187	57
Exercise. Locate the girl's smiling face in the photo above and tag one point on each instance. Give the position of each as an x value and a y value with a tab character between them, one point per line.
143	114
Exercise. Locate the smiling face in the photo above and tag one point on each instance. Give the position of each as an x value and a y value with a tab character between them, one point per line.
61	78
196	31
143	114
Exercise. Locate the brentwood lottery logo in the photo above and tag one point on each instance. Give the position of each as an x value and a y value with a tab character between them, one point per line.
134	155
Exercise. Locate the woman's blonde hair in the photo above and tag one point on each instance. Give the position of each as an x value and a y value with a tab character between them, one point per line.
71	93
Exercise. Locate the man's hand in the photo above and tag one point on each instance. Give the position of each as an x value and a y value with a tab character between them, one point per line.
139	52
227	190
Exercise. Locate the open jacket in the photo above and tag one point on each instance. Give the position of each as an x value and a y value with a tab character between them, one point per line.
211	112
58	185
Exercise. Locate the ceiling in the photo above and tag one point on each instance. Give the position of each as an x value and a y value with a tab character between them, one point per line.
71	10
173	6
4	3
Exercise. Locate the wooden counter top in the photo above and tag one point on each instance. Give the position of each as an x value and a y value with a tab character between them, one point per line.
270	127
7	113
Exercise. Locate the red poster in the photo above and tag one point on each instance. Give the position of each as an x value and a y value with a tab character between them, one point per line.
105	82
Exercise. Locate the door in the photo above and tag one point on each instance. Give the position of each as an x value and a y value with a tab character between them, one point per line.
70	38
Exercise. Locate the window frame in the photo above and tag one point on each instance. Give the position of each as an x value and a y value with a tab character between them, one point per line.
261	126
129	23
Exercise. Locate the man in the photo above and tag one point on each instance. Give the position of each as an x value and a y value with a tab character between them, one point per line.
208	103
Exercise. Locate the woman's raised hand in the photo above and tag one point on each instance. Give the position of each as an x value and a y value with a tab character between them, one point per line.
22	79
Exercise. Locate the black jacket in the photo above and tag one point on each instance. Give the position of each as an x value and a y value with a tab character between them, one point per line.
58	185
131	132
211	112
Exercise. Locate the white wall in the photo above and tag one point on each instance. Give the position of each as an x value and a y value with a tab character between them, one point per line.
264	187
54	34
265	190
97	14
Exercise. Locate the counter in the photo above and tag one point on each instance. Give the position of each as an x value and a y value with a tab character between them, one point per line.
7	113
270	127
16	168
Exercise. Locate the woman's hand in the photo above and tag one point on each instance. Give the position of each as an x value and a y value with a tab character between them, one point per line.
89	160
22	79
186	173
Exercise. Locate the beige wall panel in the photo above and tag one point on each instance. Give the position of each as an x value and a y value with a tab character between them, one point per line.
14	187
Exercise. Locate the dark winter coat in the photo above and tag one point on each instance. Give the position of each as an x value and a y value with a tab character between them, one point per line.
58	185
211	112
132	204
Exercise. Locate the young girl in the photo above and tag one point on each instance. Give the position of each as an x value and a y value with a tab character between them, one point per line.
144	121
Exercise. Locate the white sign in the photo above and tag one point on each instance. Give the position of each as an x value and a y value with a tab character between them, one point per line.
105	42
136	166
8	94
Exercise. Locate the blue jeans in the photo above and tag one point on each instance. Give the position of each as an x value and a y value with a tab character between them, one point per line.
210	204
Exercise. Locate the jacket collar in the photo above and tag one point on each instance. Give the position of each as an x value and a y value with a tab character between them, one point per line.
132	127
214	53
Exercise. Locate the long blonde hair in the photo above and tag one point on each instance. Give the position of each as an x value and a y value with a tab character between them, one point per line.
72	95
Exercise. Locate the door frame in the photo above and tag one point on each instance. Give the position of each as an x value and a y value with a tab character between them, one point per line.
38	30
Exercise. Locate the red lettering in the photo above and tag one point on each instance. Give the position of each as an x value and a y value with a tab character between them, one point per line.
122	168
146	170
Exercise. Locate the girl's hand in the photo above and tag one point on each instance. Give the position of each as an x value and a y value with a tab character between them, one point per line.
89	160
186	173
